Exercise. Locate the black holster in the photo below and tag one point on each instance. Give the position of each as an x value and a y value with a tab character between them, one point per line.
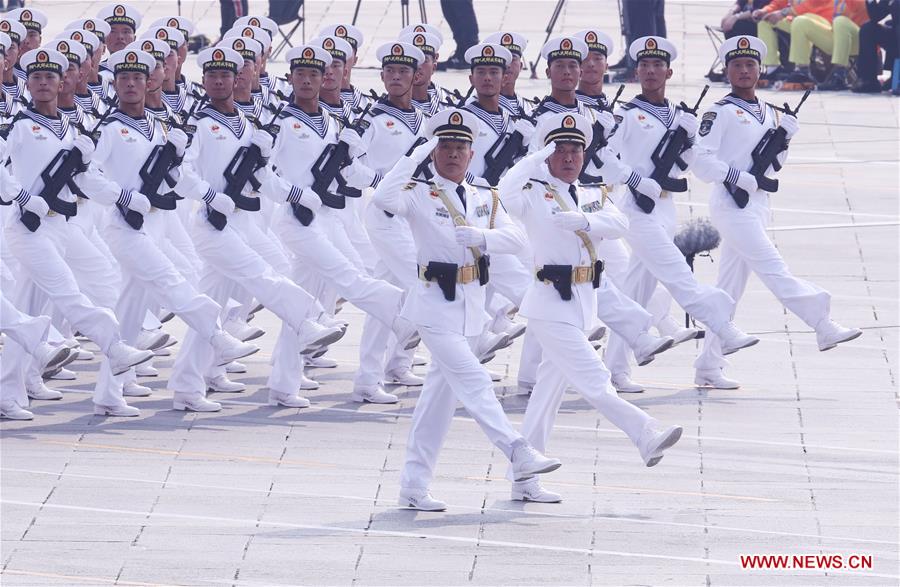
561	278
483	263
445	276
598	269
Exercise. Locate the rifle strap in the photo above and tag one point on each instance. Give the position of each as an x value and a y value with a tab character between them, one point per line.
585	239
458	219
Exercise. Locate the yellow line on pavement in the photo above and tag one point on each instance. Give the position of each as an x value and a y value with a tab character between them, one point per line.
93	580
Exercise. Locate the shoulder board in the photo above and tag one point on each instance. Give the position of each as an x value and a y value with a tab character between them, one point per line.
409	186
528	186
592	185
721	102
540	181
626	106
480	182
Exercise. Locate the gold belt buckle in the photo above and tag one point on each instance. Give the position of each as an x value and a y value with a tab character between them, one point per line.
663	194
582	274
467	273
52	213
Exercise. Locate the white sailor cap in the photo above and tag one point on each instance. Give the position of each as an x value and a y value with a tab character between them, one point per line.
398	53
596	40
158	48
263	22
73	51
565	127
652	48
31	19
89	40
423	27
176	22
43	59
452	124
248	48
168	34
347	32
338	47
220	59
250	31
131	60
15	29
120	13
564	48
309	56
98	26
488	54
427	43
5	42
514	42
742	46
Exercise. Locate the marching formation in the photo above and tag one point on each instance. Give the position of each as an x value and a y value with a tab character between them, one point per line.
132	194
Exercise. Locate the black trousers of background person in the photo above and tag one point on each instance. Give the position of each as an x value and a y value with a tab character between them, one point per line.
871	36
231	11
642	18
460	16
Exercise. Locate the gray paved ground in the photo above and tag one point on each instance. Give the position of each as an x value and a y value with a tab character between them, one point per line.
801	460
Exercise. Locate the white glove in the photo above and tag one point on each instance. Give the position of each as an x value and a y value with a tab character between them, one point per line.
84	144
649	187
358	175
689	123
790	125
422	152
35	204
569	221
544	154
614	171
607	121
525	128
139	203
222	203
470	236
263	140
354	141
747	182
179	140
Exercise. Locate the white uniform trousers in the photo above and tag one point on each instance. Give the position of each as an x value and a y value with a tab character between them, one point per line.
746	247
313	246
454	375
228	257
45	275
570	360
656	259
27	331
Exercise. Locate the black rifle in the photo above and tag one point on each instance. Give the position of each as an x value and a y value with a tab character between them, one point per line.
598	142
327	169
246	161
666	155
59	173
503	154
765	155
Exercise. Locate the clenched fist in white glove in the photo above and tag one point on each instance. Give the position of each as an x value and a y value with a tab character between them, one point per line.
649	187
790	125
569	221
689	123
747	182
179	140
86	146
34	204
525	128
139	203
422	152
470	237
263	140
222	203
607	121
354	141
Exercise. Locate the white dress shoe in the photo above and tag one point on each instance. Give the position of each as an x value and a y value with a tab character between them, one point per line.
373	395
668	326
146	370
487	358
525	387
150	340
132	389
242	331
165	315
163	352
123	357
307	383
63	375
655	439
313	336
495	376
39	391
623	384
405	332
829	334
47	356
327	320
490	343
405	377
527	461
734	339
714	378
228	348
419	360
647	346
121	411
502	324
287	400
14	412
531	490
597	334
223	384
80	353
194	403
339	305
235	367
319	363
420	500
